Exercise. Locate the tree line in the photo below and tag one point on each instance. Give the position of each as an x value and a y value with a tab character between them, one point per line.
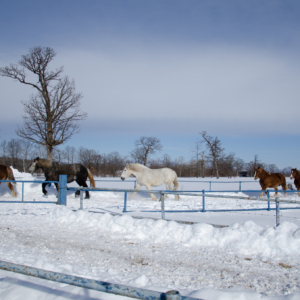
202	163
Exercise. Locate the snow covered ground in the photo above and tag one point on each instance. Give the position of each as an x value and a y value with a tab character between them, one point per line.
249	259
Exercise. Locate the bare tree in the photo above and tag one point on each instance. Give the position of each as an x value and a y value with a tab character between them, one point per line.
166	161
14	151
52	115
197	157
145	146
90	158
70	153
253	164
179	162
215	150
27	149
3	147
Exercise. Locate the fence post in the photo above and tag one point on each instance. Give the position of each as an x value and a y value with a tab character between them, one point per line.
162	199
62	196
277	212
240	185
125	202
203	201
81	200
210	185
269	201
22	191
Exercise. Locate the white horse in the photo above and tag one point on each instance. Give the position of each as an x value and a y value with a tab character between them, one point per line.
151	177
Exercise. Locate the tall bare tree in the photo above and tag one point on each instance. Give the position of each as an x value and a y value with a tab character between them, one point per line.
145	146
3	149
52	115
197	157
213	144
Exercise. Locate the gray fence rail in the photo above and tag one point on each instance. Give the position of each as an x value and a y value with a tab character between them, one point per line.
102	286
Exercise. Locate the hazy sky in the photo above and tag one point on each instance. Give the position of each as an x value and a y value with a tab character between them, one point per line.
168	69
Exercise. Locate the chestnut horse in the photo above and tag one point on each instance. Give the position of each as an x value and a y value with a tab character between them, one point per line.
6	173
267	179
296	175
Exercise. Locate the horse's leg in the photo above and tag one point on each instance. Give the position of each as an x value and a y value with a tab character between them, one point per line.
169	188
44	189
83	184
276	189
137	187
57	188
148	187
10	186
262	193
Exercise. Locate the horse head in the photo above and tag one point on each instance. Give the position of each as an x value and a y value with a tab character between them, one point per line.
293	173
257	173
126	172
34	165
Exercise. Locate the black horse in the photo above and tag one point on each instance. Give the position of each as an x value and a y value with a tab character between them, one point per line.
74	172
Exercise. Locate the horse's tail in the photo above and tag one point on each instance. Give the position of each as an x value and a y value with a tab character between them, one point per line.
10	175
91	178
175	183
283	182
176	186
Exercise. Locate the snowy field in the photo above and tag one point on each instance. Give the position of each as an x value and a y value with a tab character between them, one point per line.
247	260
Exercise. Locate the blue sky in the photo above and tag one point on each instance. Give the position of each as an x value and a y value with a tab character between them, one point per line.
169	69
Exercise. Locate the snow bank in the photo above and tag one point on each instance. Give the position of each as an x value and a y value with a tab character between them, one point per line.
246	239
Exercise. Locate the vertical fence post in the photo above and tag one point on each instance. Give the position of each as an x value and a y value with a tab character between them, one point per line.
269	201
125	202
277	212
81	200
162	199
203	201
62	196
210	185
240	185
22	191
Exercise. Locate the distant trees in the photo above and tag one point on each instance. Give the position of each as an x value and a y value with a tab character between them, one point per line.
51	116
145	147
90	158
213	145
198	159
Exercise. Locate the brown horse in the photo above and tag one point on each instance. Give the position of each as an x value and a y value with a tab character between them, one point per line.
296	175
6	173
267	179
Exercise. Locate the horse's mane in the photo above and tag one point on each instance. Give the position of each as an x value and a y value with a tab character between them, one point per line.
137	167
297	171
45	163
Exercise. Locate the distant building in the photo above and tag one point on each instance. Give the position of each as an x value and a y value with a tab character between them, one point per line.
244	174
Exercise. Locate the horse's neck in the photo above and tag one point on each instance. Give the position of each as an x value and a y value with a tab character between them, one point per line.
264	174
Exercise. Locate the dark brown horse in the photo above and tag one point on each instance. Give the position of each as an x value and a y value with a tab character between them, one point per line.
6	173
296	175
74	172
271	180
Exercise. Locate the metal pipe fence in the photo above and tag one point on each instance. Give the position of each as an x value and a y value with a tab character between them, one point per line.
62	197
202	194
208	182
102	286
23	182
